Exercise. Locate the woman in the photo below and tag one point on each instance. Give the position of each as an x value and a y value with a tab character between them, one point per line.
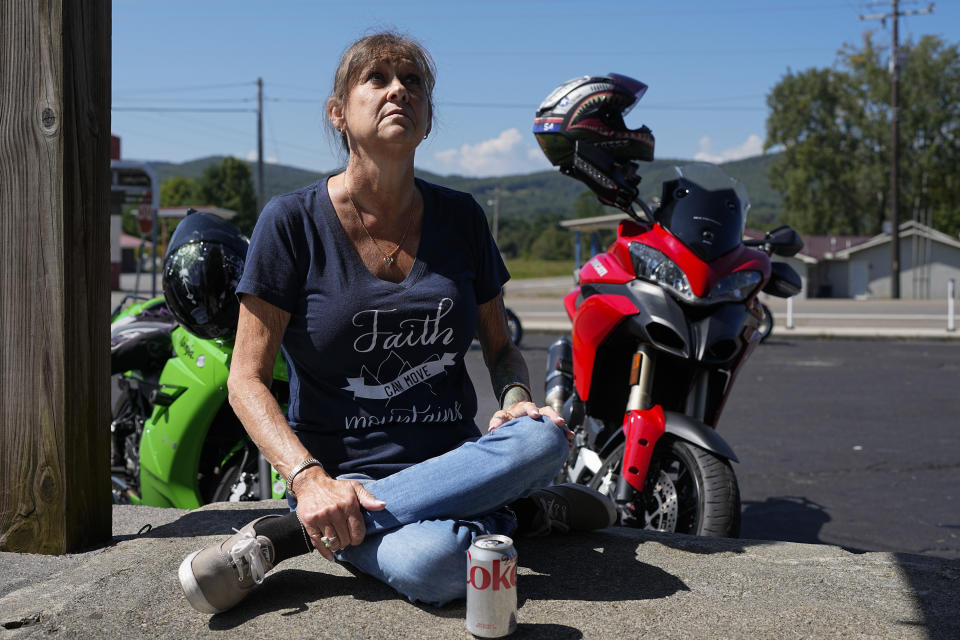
374	284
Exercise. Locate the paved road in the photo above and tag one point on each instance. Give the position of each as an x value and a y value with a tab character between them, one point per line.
851	443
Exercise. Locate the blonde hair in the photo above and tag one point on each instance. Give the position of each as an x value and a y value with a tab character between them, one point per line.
369	49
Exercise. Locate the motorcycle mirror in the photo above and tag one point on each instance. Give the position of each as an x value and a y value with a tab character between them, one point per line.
784	241
784	281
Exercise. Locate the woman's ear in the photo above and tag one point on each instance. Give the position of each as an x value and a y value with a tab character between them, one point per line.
335	113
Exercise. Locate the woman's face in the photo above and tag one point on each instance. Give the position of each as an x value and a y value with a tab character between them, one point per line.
388	105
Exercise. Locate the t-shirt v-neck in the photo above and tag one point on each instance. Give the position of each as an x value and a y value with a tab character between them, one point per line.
346	247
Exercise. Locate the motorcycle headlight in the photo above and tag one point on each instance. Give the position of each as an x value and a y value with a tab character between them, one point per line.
653	265
736	286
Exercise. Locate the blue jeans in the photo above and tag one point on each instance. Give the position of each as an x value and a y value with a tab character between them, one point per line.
418	543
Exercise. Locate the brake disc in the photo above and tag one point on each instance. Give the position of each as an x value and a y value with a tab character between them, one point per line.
243	488
664	496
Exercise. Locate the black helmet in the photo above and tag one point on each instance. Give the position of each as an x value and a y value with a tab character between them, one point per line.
201	271
591	109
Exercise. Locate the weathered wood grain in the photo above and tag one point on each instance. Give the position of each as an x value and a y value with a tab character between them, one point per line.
54	274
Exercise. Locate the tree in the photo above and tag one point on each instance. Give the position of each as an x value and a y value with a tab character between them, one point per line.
230	185
587	205
834	126
512	237
547	240
178	191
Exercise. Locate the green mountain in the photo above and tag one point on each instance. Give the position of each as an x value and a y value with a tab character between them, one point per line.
525	196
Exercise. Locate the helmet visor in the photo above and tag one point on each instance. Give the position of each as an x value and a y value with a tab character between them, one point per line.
637	88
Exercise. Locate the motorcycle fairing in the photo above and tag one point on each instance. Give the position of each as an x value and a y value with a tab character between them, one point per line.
660	320
606	268
701	275
570	302
722	335
593	321
642	429
174	435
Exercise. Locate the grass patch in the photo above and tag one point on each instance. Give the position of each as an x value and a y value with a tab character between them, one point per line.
536	268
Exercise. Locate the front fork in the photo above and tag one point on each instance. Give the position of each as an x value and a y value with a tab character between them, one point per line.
643	425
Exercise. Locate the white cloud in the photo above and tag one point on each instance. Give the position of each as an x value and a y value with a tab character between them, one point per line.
753	146
252	157
508	153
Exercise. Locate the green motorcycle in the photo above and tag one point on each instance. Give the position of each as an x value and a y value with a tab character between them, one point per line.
175	440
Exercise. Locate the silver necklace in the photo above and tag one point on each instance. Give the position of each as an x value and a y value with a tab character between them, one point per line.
388	258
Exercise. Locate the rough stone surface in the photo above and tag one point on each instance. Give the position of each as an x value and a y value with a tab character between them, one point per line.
611	584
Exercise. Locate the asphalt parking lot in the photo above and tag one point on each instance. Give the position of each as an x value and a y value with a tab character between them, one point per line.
845	442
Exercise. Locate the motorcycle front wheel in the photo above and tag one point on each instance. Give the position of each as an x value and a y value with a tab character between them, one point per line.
239	480
514	327
766	325
688	490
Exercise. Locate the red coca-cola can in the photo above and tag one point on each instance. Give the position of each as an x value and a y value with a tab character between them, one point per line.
492	587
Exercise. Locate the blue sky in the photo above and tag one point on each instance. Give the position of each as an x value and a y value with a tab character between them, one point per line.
709	66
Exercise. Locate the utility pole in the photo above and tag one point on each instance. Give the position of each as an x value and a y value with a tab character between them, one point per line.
495	201
259	145
895	138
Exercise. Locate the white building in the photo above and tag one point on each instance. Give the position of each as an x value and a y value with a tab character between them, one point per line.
929	259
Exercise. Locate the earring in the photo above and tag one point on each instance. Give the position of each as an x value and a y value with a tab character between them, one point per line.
426	136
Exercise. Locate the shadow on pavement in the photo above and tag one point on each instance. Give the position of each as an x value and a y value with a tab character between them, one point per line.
935	584
786	518
590	567
291	592
203	523
547	631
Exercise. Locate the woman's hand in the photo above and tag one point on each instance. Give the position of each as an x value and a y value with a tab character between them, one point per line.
332	510
528	408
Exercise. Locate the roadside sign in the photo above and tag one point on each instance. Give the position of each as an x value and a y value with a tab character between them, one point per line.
131	177
145	218
136	184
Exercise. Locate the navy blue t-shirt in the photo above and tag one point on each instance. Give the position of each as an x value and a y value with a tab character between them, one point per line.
377	375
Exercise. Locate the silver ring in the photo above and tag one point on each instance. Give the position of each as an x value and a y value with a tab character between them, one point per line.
328	542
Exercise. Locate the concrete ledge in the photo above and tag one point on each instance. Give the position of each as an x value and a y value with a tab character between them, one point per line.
611	584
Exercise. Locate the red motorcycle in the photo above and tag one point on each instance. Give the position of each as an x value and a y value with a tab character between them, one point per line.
662	321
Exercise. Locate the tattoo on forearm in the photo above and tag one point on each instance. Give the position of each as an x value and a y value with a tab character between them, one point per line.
508	369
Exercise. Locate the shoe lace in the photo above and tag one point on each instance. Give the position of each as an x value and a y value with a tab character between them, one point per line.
247	552
554	514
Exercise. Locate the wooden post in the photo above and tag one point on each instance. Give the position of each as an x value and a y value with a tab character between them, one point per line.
54	274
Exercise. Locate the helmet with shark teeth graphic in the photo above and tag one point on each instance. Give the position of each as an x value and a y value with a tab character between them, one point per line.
591	109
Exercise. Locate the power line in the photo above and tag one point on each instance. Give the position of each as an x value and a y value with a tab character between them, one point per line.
537	14
645	107
195	87
223	132
632	52
182	110
531	105
191	100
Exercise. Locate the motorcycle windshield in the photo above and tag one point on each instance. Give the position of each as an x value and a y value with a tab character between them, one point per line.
705	209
